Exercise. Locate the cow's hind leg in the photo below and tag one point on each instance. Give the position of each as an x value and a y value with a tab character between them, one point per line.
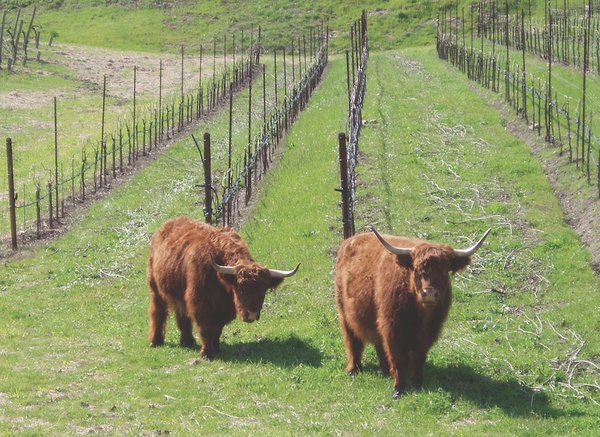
158	312
185	327
354	349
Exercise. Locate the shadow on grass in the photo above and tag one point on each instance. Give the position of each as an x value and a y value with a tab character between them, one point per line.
282	352
513	398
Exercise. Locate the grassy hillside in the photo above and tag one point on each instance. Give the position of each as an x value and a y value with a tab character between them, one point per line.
162	25
74	354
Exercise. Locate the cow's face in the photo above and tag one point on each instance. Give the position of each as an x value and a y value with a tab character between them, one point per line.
250	287
430	270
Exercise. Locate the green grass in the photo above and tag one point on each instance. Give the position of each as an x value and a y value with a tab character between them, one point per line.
75	357
151	28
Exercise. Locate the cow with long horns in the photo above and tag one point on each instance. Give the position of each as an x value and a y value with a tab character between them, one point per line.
206	276
395	293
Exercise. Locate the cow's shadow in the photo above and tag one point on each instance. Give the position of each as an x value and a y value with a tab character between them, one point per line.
282	352
513	398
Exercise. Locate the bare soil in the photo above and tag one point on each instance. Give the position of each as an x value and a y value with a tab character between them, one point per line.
89	65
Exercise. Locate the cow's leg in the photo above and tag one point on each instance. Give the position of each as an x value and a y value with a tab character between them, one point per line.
216	344
210	340
158	312
185	327
418	363
354	349
384	364
397	359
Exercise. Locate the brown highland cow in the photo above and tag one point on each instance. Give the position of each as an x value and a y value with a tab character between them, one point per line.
204	275
395	293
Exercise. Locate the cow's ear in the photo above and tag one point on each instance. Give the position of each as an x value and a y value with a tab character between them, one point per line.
405	261
459	263
275	282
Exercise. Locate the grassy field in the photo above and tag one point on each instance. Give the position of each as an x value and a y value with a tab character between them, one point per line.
75	357
163	25
439	159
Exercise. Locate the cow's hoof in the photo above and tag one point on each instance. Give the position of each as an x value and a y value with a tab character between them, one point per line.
157	343
398	392
207	355
354	370
188	343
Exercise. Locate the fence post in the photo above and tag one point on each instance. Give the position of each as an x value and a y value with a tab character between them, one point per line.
11	194
56	183
207	180
38	212
50	209
343	152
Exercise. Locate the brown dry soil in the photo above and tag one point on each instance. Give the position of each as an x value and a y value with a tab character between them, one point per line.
89	65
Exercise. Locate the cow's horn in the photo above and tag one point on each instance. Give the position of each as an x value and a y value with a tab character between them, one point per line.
226	270
283	273
471	250
395	250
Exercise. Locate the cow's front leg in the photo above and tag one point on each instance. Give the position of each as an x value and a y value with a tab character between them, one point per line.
185	327
418	363
398	361
210	341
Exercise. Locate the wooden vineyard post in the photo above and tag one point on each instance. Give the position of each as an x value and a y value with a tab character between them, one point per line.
50	209
160	111
56	155
207	180
11	194
343	153
38	212
2	34
264	155
249	167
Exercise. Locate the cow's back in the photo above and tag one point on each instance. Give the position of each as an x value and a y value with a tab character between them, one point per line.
178	249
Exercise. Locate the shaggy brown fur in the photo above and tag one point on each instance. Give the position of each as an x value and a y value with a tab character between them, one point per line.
381	300
182	279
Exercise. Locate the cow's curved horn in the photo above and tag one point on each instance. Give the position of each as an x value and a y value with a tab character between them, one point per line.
226	270
283	273
395	250
471	250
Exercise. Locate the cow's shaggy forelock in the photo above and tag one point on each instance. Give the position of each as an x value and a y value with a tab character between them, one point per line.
253	274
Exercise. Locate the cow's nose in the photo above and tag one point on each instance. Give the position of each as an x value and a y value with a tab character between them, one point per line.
430	294
250	316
